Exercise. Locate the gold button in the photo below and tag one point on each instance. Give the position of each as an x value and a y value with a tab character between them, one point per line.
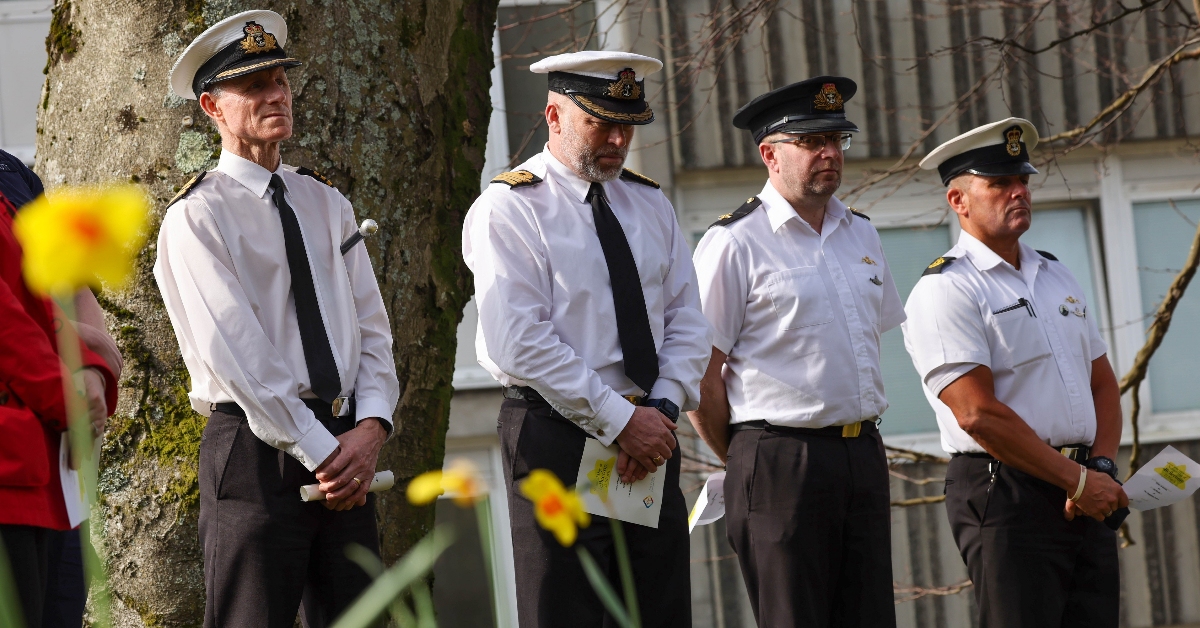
599	432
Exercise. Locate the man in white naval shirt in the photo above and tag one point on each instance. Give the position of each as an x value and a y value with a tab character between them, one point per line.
286	341
797	290
1014	366
590	318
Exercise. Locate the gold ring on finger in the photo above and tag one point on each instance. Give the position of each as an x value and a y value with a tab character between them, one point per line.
658	460
358	481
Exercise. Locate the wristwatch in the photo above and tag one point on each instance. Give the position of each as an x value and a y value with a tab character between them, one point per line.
665	406
1103	464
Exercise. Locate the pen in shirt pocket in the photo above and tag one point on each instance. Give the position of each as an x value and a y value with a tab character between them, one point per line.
1021	303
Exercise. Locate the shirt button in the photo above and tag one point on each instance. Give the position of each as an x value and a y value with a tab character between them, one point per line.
599	432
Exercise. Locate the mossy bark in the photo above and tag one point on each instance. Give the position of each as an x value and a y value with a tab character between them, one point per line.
392	105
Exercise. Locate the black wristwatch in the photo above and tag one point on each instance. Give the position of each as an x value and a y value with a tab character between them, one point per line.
665	406
1103	464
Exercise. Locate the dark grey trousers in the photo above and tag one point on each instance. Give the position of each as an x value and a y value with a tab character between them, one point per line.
264	549
1030	566
552	590
809	517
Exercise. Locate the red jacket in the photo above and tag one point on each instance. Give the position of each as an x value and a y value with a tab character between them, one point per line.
32	410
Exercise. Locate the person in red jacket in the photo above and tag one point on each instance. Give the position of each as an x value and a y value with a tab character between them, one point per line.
33	412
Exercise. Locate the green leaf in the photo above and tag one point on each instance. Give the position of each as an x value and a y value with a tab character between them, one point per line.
423	602
603	589
378	598
366	559
10	608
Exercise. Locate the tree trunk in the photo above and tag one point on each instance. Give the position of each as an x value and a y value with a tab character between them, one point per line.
391	105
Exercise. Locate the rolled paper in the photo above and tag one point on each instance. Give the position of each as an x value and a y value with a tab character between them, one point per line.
381	482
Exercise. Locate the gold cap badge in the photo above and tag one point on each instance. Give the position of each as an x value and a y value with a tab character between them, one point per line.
625	87
1013	134
828	99
257	39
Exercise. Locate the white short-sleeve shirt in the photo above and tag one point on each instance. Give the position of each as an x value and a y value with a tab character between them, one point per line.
798	313
1032	327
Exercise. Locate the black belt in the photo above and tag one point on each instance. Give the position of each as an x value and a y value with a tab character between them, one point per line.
533	396
853	430
342	406
1077	453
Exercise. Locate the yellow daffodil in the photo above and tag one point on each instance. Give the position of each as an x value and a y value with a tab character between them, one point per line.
460	480
557	509
76	237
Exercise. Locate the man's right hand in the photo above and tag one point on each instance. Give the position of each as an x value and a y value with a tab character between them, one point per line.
647	436
1101	496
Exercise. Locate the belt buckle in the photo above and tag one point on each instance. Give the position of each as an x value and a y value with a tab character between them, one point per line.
340	404
852	430
1069	452
634	399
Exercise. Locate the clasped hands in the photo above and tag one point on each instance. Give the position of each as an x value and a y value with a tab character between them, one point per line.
355	458
645	444
1101	496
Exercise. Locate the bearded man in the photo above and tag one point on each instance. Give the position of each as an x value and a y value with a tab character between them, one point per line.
797	290
590	318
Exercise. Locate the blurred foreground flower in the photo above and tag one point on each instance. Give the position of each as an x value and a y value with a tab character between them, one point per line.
460	481
557	509
81	236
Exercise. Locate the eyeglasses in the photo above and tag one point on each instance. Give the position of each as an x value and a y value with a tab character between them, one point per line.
816	143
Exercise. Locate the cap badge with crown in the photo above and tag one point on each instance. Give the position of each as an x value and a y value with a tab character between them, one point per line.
828	99
625	87
1013	134
257	39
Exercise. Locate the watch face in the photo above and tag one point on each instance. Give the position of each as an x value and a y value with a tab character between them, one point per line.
1103	465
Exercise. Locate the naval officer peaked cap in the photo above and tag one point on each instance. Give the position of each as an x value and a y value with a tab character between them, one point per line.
817	105
608	85
992	150
236	46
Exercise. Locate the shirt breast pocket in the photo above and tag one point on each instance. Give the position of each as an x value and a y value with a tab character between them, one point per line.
799	298
1022	340
870	286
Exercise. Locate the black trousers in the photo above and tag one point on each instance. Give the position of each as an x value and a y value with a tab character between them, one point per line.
265	550
552	590
66	593
27	547
1030	566
809	517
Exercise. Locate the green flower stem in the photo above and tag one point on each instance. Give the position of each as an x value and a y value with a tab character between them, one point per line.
604	590
483	514
631	601
85	455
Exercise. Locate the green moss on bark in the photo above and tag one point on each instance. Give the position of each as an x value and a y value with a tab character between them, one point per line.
64	38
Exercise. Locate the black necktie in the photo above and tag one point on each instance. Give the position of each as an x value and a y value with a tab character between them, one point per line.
633	326
322	370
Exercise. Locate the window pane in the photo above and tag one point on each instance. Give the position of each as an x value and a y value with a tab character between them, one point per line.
909	251
1063	234
1164	237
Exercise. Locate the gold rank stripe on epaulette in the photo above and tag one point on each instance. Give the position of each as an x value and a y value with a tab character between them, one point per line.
309	172
860	214
517	178
750	205
938	265
635	177
188	187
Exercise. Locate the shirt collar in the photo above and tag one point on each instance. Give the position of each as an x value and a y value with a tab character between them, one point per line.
985	258
779	210
251	175
577	185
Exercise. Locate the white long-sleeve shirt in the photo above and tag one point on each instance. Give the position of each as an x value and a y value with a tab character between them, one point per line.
224	277
546	314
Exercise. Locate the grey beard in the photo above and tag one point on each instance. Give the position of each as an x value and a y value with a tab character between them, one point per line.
583	160
822	188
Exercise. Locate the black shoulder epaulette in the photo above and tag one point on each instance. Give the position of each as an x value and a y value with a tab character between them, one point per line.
309	172
1047	256
630	175
517	178
188	187
860	214
750	205
938	265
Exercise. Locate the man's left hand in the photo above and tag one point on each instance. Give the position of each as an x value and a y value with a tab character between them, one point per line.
355	459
